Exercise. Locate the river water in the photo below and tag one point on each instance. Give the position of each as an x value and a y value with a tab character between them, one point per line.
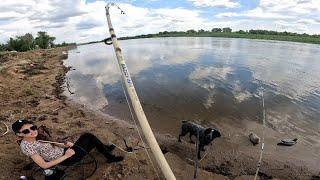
205	79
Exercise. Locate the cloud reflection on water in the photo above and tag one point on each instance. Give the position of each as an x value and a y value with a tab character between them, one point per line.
237	66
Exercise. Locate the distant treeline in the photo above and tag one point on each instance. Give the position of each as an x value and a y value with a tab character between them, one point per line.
227	32
28	42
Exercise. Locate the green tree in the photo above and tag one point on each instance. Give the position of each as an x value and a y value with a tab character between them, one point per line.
226	30
28	41
201	31
216	30
191	31
12	44
21	43
241	32
2	47
43	40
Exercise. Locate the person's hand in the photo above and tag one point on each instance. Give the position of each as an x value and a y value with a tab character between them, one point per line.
69	152
68	144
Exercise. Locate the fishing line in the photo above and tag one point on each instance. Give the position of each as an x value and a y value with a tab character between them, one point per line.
144	144
263	133
133	150
135	123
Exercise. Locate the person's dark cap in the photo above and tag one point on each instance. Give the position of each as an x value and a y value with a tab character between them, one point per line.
16	126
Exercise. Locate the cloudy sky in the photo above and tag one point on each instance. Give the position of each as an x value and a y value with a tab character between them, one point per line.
84	20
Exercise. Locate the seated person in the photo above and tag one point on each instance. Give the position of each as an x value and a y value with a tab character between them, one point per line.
47	155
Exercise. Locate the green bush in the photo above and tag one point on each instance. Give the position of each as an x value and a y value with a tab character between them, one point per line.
28	42
21	43
44	41
2	47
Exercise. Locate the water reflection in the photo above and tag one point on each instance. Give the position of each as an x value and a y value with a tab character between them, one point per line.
205	78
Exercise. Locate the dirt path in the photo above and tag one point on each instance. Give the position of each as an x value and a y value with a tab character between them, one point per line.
30	87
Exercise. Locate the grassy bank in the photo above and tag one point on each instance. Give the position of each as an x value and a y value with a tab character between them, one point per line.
303	38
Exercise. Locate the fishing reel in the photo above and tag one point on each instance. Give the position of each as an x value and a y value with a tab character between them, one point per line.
108	41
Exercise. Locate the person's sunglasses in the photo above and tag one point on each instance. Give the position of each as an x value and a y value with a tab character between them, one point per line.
27	131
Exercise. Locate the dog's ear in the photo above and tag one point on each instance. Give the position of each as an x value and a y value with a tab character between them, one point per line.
207	131
216	133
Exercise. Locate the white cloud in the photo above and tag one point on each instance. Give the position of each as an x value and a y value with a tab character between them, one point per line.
308	21
209	100
206	77
216	3
9	15
291	6
292	26
301	16
81	21
217	73
239	93
53	16
257	13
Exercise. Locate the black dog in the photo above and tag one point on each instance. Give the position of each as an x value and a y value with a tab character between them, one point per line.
206	136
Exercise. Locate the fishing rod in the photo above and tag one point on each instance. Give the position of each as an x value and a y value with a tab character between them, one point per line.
144	124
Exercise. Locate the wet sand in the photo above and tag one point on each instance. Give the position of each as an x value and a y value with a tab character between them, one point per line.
31	86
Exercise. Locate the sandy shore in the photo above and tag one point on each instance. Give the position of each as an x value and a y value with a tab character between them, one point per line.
31	86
